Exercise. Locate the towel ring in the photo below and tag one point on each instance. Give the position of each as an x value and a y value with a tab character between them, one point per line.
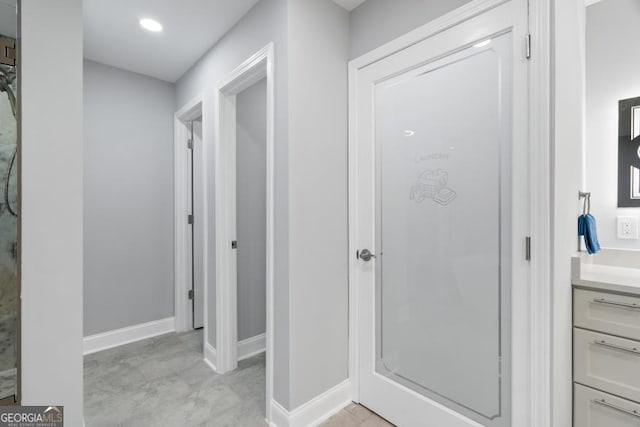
586	205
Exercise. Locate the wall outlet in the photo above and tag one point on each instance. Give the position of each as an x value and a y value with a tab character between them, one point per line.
628	227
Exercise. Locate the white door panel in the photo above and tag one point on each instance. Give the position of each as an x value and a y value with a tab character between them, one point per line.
441	200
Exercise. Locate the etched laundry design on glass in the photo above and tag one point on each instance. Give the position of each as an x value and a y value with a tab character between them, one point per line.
432	184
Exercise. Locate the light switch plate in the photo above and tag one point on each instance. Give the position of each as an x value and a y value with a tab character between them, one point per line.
628	227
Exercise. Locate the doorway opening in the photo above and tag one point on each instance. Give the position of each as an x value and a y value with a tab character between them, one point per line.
251	243
151	291
244	215
190	217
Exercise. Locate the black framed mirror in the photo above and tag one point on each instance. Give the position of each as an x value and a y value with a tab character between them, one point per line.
629	153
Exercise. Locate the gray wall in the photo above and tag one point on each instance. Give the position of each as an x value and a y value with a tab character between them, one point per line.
318	197
612	74
377	22
8	18
251	199
264	23
51	127
128	198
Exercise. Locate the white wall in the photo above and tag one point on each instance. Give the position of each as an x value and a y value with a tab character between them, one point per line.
311	210
266	22
613	33
251	200
377	22
318	197
567	139
128	198
51	174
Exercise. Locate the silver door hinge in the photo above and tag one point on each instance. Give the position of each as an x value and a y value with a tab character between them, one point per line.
191	295
528	46
190	219
527	250
190	144
234	244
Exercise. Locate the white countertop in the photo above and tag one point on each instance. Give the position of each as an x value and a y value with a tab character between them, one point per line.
612	278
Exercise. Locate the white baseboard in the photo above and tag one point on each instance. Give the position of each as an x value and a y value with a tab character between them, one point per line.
252	346
210	356
279	415
118	337
315	411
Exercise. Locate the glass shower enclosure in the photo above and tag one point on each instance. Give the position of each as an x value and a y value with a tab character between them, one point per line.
9	222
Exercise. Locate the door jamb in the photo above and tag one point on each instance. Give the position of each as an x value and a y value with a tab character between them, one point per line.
254	69
182	208
540	194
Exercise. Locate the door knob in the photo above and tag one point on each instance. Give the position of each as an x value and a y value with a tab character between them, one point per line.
365	255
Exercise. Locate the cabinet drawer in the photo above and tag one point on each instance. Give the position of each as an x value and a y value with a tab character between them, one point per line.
605	312
607	363
593	408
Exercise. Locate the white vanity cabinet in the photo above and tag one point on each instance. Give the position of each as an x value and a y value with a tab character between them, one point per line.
606	357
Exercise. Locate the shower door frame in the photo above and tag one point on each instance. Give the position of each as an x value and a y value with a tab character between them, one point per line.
537	398
17	397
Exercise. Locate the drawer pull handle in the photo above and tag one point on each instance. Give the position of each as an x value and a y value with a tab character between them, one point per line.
616	303
603	402
617	347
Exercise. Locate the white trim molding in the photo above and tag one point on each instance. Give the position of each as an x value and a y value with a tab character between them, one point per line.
210	356
540	189
252	346
315	411
457	16
182	208
260	65
118	337
590	2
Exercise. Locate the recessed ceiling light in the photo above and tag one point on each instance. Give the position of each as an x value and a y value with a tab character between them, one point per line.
151	25
483	43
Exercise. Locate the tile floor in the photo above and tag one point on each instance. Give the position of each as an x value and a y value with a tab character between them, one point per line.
163	381
356	416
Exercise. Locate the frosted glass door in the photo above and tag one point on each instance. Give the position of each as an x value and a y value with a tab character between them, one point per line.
443	231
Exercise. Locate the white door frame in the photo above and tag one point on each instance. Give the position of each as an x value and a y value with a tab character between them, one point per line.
182	205
539	394
254	69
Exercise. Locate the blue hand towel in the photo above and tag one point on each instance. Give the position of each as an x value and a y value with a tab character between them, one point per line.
587	228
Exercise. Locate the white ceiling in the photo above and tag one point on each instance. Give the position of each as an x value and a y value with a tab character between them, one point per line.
349	4
113	36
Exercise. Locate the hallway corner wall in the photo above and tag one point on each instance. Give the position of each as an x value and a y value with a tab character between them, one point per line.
318	128
266	22
51	211
128	158
567	120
